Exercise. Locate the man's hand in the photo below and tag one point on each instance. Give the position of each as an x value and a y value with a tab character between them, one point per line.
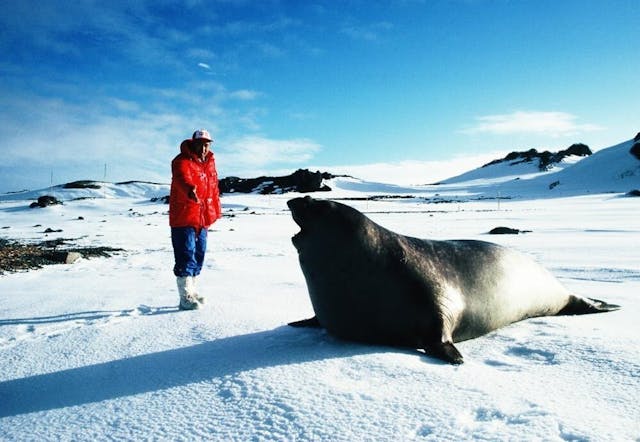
193	195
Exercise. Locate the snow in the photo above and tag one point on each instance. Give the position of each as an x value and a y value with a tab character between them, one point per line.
97	350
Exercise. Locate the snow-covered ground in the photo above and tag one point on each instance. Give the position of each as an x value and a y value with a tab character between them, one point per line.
97	350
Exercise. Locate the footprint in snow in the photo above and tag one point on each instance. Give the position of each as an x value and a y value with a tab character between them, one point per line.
534	355
516	357
48	327
521	416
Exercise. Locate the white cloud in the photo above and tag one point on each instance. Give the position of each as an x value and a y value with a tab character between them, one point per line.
256	152
74	141
204	66
244	95
413	172
531	122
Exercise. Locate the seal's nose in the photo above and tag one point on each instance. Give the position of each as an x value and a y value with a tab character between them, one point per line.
299	203
299	208
293	203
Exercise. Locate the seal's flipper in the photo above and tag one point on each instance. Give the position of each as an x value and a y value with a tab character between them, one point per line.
311	322
445	351
583	306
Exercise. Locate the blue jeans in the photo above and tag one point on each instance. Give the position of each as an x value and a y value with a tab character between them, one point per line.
189	248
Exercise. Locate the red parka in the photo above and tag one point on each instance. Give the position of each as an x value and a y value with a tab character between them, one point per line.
190	173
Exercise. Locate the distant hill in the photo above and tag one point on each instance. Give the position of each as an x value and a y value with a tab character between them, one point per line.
612	170
93	189
615	169
519	175
523	164
302	181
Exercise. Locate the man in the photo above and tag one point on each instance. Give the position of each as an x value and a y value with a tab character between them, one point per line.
194	204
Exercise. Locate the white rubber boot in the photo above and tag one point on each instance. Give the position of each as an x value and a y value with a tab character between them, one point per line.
199	298
185	289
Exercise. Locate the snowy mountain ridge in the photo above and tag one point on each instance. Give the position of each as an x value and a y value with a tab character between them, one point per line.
611	170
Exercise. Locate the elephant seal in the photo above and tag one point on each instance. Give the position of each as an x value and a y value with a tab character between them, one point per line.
369	284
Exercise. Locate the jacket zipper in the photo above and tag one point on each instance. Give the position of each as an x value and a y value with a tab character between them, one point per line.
203	201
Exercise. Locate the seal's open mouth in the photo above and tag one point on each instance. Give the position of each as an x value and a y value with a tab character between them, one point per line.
299	209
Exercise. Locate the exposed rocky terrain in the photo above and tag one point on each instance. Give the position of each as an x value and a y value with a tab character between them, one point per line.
545	159
302	180
17	256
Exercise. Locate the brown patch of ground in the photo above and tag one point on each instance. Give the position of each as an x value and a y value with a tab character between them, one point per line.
16	256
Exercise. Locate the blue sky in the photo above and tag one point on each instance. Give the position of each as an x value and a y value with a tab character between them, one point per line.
406	85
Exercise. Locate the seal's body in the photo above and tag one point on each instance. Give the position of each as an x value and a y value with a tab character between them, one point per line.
369	284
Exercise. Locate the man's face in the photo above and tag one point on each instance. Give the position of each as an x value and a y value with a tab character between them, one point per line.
201	147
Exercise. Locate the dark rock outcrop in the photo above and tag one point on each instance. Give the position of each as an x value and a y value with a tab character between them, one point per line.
302	180
507	231
16	256
161	199
50	230
82	184
577	149
126	183
545	159
635	150
44	201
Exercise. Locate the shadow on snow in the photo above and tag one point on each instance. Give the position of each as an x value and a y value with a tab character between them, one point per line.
142	310
174	368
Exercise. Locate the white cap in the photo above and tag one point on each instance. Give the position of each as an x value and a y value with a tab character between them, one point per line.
202	134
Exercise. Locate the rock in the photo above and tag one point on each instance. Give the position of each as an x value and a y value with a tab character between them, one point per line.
15	256
302	180
61	256
72	257
577	149
126	183
507	231
162	199
45	200
634	192
635	150
545	159
82	184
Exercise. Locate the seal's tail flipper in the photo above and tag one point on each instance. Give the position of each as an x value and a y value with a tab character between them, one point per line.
583	306
311	322
445	351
